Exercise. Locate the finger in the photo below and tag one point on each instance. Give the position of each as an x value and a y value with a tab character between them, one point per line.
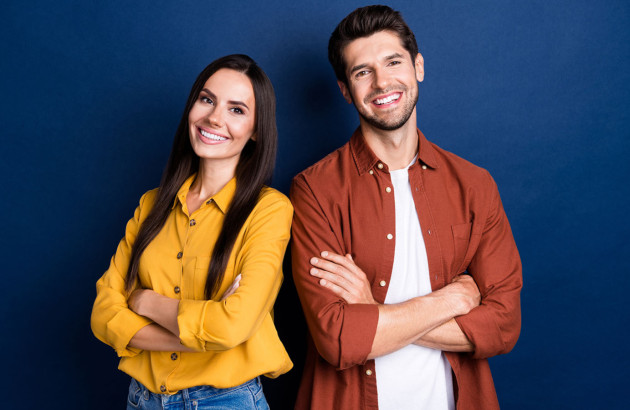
342	276
337	280
337	268
336	289
340	260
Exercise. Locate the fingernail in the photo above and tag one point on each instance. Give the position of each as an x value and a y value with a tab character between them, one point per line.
322	282
313	271
314	261
324	254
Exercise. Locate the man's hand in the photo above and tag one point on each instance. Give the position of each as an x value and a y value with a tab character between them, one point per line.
343	277
462	294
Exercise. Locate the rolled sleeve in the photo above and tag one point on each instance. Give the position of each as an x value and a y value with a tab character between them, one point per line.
343	334
221	325
112	321
494	326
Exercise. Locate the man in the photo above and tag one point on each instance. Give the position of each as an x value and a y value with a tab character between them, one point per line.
403	257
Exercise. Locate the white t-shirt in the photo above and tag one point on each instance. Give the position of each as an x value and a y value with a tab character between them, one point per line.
414	377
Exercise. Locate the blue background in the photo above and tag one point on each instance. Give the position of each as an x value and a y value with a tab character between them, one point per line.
535	91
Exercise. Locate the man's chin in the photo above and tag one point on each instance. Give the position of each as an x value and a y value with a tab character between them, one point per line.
384	125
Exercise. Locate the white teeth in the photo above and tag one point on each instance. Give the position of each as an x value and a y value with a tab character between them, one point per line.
213	137
386	100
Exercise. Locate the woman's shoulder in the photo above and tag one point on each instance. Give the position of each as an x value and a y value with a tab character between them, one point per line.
147	200
270	197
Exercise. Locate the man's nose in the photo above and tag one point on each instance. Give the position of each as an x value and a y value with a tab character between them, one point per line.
381	79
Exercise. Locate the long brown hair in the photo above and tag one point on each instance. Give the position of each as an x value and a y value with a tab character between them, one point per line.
254	169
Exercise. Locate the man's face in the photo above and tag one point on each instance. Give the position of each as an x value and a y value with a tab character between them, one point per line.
382	80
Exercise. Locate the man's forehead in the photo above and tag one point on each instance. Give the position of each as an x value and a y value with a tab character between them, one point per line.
378	45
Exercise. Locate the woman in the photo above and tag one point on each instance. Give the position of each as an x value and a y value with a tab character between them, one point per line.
187	300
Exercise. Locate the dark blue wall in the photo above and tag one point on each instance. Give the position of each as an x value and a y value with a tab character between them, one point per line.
535	91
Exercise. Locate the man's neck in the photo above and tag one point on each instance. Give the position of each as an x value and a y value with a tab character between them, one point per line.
395	148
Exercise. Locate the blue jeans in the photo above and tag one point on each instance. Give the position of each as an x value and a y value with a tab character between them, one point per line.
248	395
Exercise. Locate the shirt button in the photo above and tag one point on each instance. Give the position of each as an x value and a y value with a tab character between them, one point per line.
424	167
193	222
371	172
162	388
429	231
380	165
209	201
174	356
179	255
368	372
382	283
390	236
388	190
176	289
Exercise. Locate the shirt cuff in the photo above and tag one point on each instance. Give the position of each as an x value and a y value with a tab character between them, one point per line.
357	335
483	332
190	316
121	329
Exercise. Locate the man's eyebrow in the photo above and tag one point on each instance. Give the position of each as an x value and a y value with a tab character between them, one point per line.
393	56
232	102
357	68
387	58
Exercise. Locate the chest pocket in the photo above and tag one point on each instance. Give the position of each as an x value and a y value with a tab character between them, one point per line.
461	246
202	263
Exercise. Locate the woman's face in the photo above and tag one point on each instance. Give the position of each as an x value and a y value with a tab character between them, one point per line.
222	119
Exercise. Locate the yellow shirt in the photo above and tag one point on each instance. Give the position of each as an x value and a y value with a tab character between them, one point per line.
234	340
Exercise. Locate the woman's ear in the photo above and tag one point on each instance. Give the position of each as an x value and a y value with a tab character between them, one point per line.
253	137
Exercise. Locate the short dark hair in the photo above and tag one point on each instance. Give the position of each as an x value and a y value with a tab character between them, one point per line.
364	22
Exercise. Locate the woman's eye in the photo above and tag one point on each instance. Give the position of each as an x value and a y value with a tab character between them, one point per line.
205	100
237	110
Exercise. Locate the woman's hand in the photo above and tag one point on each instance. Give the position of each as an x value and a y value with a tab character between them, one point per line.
230	291
159	308
140	300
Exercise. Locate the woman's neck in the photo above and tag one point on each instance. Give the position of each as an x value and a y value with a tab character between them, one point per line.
211	178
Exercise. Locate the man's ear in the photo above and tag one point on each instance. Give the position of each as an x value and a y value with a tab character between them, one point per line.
419	65
344	91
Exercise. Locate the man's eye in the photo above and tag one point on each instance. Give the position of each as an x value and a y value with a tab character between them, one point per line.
362	73
395	62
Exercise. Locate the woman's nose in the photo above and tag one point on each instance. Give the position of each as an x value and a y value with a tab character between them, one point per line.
214	118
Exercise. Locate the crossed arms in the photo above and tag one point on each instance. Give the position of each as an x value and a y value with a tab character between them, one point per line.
479	313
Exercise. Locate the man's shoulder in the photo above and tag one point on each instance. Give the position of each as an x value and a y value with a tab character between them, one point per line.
462	169
327	167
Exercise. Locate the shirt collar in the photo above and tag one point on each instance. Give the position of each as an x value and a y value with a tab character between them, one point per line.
222	198
365	159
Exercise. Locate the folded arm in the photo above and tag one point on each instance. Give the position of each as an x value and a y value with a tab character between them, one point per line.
112	321
222	324
494	326
425	320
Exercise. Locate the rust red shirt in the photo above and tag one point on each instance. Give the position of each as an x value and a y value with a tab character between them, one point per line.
342	204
